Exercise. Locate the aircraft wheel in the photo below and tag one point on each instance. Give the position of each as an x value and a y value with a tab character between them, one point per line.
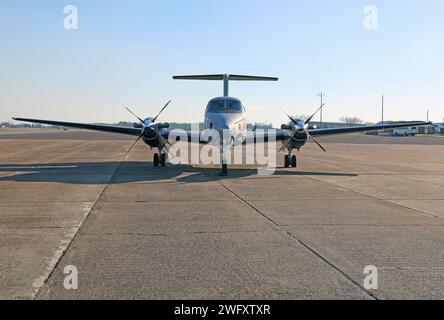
294	162
287	161
224	172
163	159
156	160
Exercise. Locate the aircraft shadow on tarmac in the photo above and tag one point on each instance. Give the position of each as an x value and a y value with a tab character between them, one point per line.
131	172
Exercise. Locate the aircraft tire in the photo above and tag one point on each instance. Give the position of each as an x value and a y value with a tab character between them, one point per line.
287	161
294	162
156	160
163	159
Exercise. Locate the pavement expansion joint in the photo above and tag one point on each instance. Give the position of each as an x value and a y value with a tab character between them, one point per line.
38	228
331	264
360	225
172	234
304	245
45	281
387	201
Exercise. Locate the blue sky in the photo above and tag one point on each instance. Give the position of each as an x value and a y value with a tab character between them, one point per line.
126	53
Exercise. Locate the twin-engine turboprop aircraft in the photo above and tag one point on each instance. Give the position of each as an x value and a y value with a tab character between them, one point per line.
225	115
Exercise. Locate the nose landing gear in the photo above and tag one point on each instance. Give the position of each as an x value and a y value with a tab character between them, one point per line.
224	171
223	161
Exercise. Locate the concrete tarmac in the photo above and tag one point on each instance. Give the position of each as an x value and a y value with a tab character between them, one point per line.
181	232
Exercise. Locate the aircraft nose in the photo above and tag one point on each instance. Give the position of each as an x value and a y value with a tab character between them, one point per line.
222	128
223	124
219	123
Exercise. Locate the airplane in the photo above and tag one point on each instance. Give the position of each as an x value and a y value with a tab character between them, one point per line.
225	114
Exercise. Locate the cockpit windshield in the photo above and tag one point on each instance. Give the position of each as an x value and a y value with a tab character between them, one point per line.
224	105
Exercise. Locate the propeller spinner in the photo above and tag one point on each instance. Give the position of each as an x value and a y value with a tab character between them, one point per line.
147	123
300	125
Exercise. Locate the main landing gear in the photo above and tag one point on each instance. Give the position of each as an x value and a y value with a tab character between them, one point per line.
159	159
290	161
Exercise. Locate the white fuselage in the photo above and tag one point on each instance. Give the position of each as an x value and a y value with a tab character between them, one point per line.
227	116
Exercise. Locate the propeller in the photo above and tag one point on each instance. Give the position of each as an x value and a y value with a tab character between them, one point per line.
315	141
306	122
164	107
310	118
128	109
137	140
145	126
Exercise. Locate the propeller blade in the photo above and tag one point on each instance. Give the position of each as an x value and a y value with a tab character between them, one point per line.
134	143
132	113
310	118
315	141
154	120
289	117
294	121
285	145
319	145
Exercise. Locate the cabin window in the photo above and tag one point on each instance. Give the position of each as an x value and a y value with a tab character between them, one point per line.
235	105
216	106
224	105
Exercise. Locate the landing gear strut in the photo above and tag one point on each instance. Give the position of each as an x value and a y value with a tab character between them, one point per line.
223	161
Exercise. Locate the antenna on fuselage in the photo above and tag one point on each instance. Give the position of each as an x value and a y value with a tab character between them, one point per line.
226	78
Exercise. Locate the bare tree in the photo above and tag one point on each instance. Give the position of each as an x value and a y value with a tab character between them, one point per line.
351	120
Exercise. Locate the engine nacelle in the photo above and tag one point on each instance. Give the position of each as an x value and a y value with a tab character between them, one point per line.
286	127
164	125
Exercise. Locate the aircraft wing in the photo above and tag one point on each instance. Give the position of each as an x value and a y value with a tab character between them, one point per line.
183	135
331	131
96	127
287	134
187	136
264	136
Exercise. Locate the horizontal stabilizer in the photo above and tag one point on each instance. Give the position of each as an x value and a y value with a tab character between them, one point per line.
251	78
231	77
226	79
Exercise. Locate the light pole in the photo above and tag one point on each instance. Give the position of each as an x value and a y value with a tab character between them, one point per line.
322	96
427	128
383	108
